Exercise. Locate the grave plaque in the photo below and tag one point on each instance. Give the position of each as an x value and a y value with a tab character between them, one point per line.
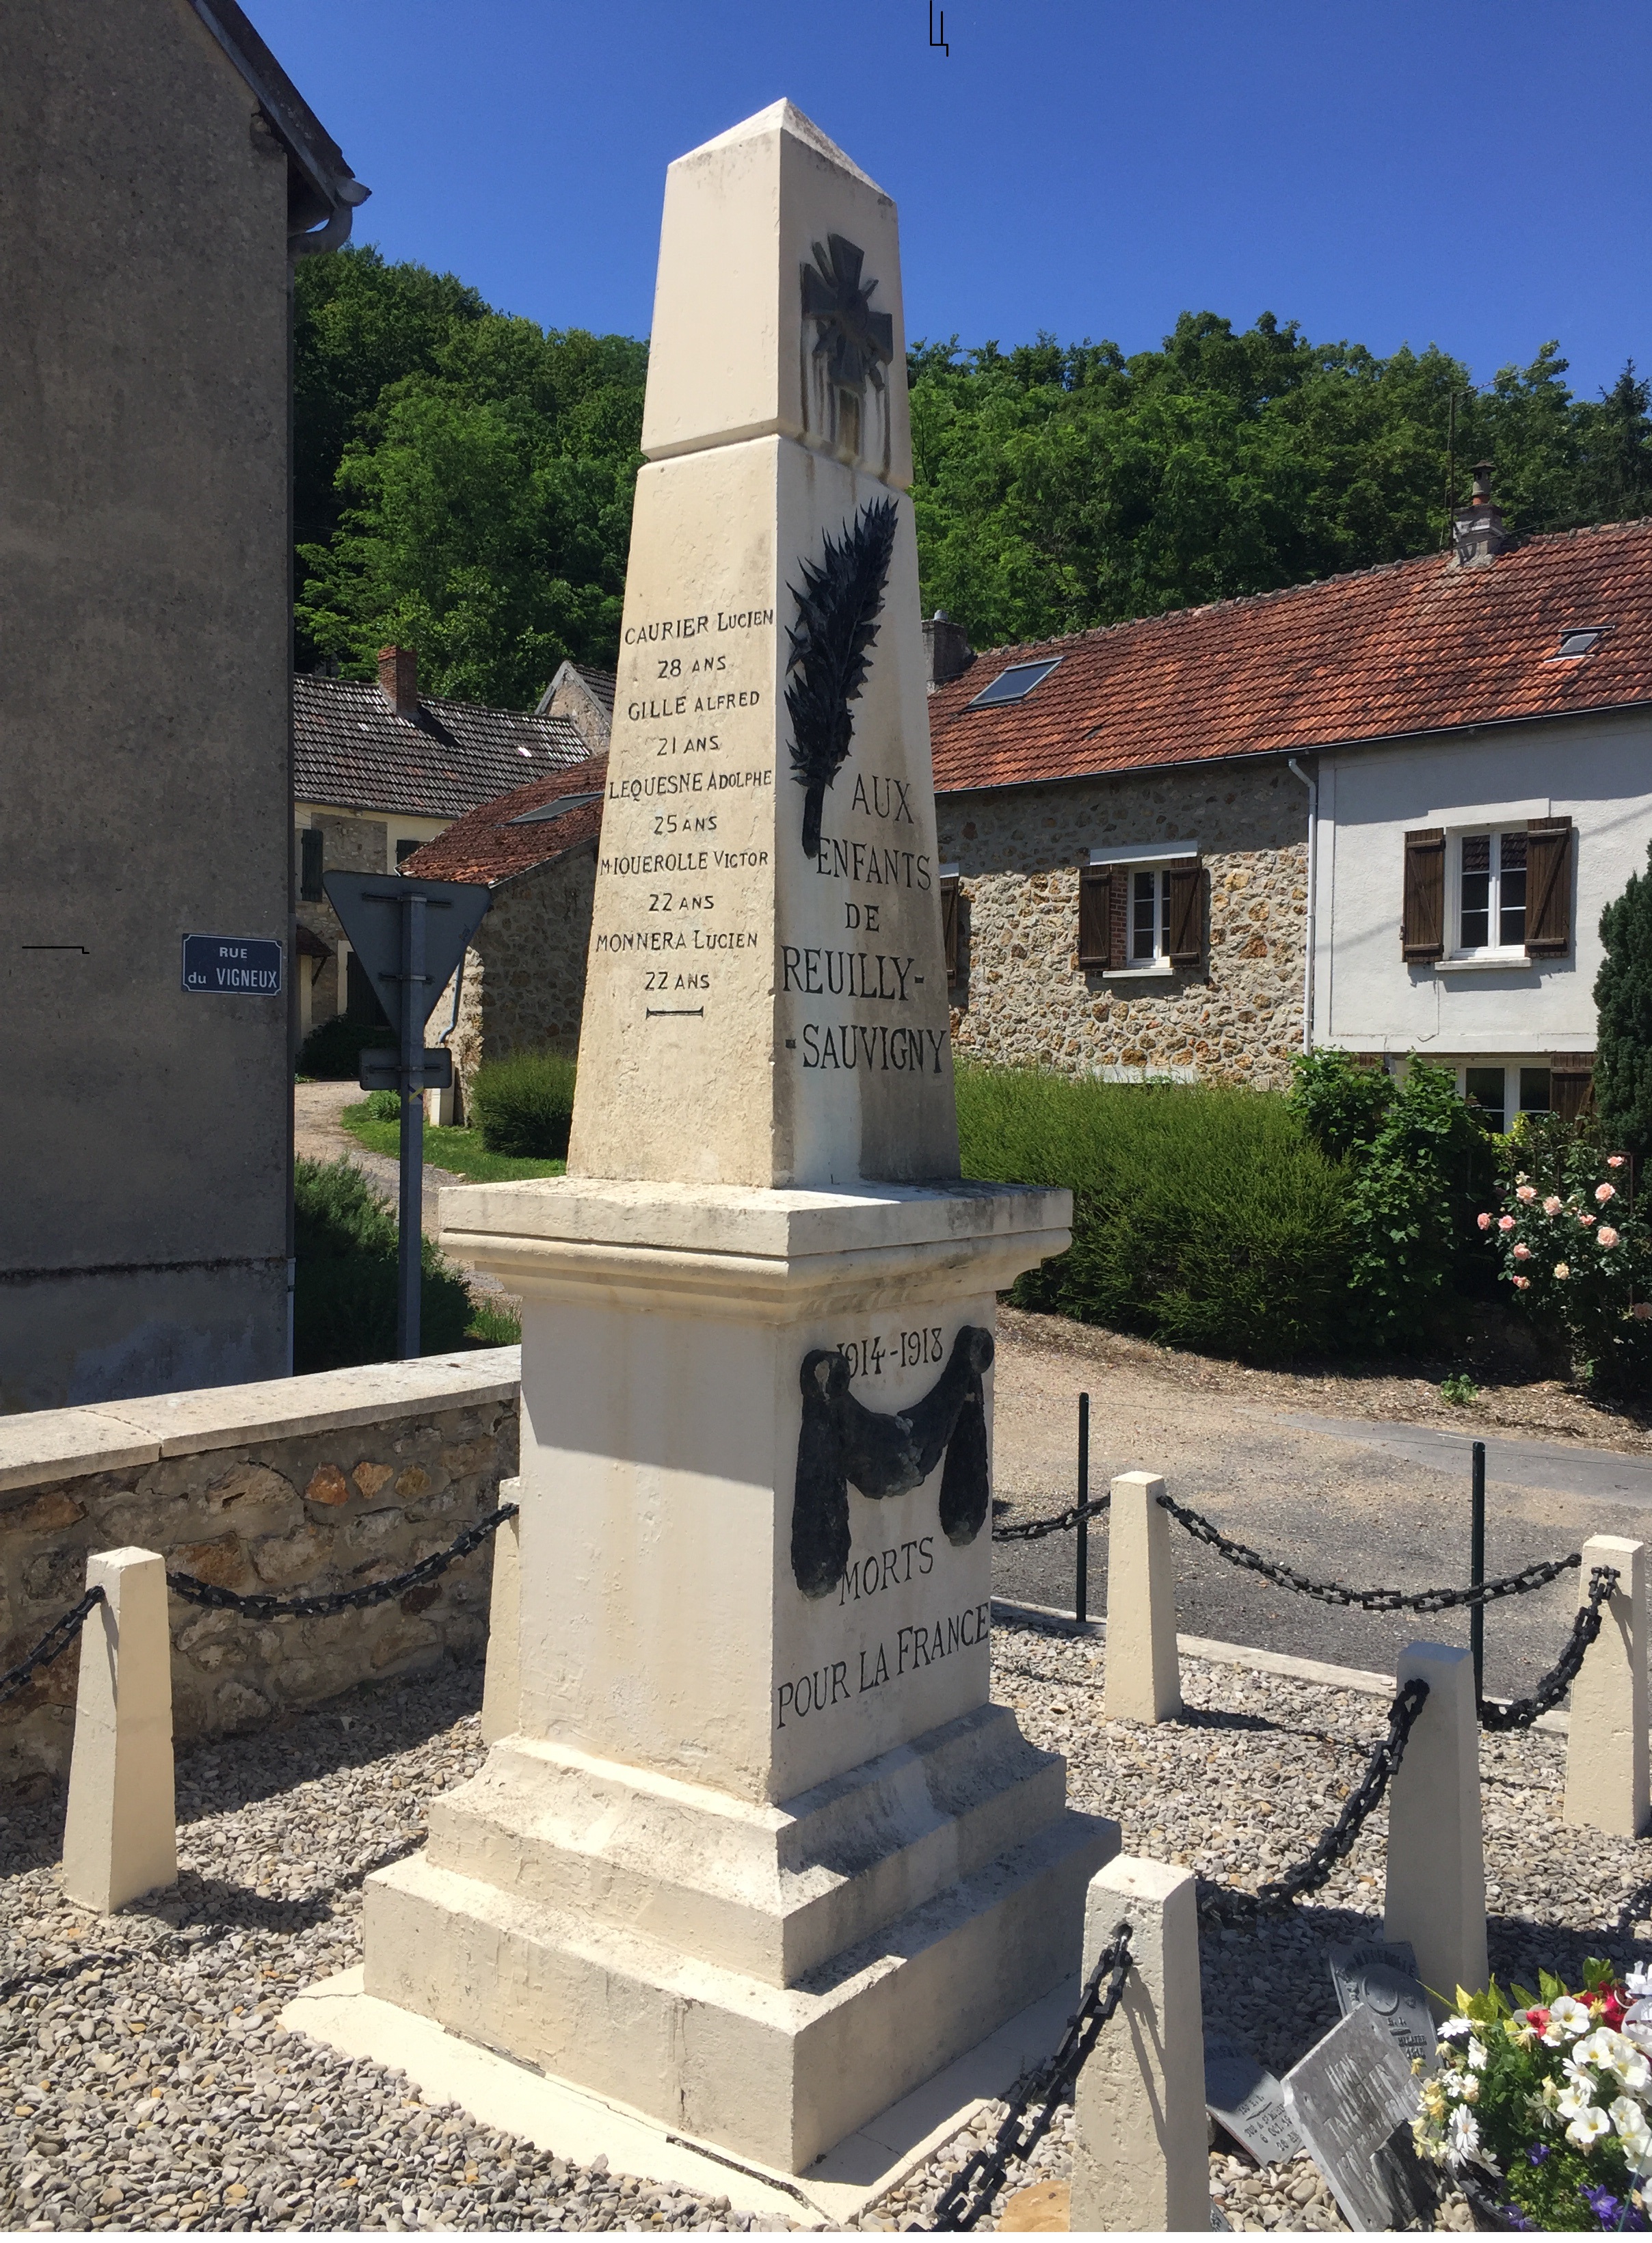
1383	1975
760	1856
1353	2098
1247	2101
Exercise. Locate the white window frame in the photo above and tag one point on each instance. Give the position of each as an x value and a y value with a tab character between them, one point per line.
1155	857
1491	957
1510	1067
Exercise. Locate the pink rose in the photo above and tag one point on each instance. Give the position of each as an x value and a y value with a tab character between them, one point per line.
1604	1192
1505	1223
1607	1236
1523	1253
1526	1191
1522	1283
1485	1222
1551	1207
1614	1160
1562	1269
1586	1220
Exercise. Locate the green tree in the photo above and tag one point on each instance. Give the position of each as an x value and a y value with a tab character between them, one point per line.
480	490
1623	1036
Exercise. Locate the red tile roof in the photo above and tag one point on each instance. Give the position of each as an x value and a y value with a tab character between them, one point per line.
1415	647
350	750
490	844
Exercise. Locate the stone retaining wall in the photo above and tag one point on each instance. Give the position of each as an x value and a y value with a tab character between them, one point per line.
298	1484
1024	999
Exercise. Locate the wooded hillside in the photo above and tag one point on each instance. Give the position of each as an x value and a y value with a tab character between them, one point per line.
463	478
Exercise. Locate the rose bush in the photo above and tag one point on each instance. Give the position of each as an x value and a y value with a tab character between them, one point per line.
1576	1252
1545	2105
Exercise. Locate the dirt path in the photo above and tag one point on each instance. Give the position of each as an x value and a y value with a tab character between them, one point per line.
1390	1509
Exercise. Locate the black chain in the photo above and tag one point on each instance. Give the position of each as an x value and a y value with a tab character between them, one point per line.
1033	1530
1337	1842
1333	1593
338	1601
57	1637
1520	1712
971	2189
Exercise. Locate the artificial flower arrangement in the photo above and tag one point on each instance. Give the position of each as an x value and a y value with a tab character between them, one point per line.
1541	2105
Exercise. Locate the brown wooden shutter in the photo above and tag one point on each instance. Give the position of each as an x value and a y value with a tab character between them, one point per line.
1187	912
1549	886
1096	915
1571	1084
949	926
1422	919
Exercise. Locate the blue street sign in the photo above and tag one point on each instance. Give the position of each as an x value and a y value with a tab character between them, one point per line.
232	966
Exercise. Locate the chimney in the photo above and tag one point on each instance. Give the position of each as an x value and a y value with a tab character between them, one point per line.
1477	532
399	679
947	653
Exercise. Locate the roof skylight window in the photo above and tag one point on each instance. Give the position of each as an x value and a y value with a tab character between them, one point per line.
547	811
1014	684
1582	641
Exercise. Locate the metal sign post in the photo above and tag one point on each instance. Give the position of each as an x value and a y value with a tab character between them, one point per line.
410	936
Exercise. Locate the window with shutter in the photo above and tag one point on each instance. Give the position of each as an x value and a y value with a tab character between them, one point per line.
1096	916
949	908
1422	919
1549	886
1571	1078
1186	885
310	889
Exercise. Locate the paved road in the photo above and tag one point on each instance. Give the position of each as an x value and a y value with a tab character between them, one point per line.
1366	1502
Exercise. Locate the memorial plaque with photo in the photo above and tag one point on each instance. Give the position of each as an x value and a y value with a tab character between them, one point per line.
1383	1976
1353	2098
1247	2101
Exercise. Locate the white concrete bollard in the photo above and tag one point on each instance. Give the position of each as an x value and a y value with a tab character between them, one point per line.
120	1838
1606	1758
502	1679
1436	1895
1140	2158
1143	1680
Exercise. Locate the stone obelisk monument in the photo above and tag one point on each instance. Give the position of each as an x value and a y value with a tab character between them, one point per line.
760	1856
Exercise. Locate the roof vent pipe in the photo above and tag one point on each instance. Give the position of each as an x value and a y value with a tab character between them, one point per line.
1477	532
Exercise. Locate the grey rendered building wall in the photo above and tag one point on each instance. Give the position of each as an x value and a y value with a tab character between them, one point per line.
144	728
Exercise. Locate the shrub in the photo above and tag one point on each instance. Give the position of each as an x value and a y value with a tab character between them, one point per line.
1623	1001
1418	1164
1575	1250
344	1302
384	1105
333	1052
524	1104
1203	1217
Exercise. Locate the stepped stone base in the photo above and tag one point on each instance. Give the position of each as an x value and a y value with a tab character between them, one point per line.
765	1976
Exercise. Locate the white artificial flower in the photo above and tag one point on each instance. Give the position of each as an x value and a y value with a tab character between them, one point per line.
1599	2048
1457	2029
1477	2055
1568	2020
1588	2127
1628	2116
1572	2099
1462	2140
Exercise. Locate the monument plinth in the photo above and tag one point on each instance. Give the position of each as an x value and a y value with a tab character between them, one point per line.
760	1855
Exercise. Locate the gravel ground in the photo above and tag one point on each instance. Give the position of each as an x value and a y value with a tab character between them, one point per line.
147	2086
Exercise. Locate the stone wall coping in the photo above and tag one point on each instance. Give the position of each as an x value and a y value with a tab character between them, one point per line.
39	1445
738	1219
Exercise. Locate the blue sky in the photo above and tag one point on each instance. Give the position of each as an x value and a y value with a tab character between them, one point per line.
1474	174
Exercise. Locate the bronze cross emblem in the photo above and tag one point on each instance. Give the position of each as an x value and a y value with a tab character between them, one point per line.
854	340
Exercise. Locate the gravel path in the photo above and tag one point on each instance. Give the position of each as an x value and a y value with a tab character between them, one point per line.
147	2085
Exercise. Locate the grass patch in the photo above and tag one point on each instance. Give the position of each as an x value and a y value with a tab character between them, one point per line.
1202	1217
461	1151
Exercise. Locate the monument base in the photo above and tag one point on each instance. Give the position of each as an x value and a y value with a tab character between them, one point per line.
710	1964
752	1854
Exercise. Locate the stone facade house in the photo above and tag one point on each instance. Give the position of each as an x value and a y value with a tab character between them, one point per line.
379	771
523	979
1382	813
586	698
